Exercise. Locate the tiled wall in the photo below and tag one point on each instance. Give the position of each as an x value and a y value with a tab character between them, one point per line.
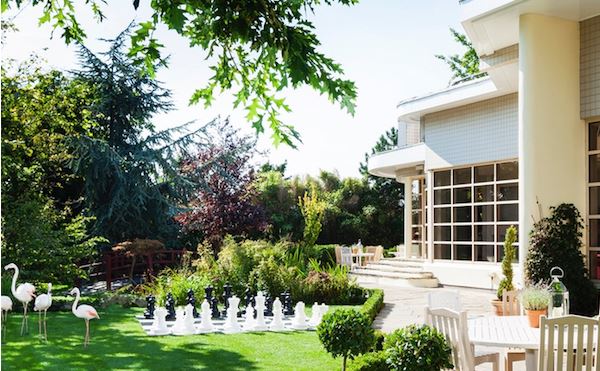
590	67
478	132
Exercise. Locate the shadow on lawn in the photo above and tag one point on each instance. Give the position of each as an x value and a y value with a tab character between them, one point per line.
117	342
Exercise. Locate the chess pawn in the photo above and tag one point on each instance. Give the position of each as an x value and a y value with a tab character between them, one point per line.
208	290
159	326
226	296
170	306
205	320
150	303
287	304
277	323
214	306
268	306
249	319
188	320
191	299
248	297
179	325
315	318
299	321
260	324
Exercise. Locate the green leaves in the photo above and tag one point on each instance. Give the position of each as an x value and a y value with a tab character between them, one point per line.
259	48
465	67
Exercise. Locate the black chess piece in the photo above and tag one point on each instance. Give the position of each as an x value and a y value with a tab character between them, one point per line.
191	299
150	304
268	306
170	306
226	296
214	306
287	304
208	291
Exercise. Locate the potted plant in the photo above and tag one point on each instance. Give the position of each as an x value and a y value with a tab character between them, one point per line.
535	300
507	270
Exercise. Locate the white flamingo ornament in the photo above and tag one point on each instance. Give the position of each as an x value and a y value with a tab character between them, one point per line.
84	311
6	304
42	303
24	293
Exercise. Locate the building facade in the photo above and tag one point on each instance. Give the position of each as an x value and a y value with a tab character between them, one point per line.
480	156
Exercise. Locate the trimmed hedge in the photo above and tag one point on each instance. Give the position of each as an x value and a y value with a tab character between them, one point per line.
372	361
374	304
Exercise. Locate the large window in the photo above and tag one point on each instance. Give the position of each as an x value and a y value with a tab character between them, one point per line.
472	209
594	199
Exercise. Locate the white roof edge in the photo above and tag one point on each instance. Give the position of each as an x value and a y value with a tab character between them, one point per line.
412	109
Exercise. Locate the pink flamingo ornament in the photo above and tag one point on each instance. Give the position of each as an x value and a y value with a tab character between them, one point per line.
42	303
87	312
6	303
24	293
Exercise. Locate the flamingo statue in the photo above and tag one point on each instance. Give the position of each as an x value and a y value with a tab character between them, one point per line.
24	293
42	303
6	304
87	312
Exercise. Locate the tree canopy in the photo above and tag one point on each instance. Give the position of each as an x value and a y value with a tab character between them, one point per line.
464	67
257	48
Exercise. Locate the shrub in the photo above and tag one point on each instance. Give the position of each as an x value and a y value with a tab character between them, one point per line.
374	303
509	255
346	333
313	211
556	241
372	361
176	282
379	339
417	348
536	297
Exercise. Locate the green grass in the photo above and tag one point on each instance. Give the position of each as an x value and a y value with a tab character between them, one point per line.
118	342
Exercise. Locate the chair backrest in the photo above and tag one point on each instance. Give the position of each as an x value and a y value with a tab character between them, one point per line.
338	254
346	256
568	343
448	299
453	325
510	303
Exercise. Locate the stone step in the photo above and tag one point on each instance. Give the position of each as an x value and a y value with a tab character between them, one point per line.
393	279
400	263
390	274
394	268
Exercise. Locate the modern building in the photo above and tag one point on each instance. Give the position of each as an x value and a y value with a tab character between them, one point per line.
497	151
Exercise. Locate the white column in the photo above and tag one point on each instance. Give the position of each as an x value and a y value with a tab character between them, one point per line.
551	134
407	216
429	226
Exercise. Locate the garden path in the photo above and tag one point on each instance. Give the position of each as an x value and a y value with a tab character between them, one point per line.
405	306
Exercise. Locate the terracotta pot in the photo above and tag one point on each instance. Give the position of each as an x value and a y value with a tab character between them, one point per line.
534	316
497	304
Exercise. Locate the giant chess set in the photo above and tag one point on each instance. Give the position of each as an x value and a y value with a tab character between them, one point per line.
260	313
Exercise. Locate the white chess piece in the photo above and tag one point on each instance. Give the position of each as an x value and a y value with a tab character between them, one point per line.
323	311
179	325
259	324
159	326
277	323
299	320
249	319
231	323
205	318
186	325
315	318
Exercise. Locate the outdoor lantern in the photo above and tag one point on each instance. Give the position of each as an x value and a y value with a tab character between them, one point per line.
559	304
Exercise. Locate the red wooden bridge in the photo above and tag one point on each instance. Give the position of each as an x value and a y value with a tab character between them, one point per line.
114	265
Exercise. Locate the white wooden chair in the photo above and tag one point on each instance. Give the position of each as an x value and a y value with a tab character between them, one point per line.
569	342
448	299
454	327
512	307
346	257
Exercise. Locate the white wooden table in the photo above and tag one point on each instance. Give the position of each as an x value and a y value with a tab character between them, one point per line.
507	332
361	255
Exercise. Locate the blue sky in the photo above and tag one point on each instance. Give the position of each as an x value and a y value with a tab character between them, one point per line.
386	46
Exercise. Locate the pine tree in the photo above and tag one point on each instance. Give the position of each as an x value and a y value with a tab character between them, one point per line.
132	183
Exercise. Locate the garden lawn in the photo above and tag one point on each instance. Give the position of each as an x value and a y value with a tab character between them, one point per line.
118	342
